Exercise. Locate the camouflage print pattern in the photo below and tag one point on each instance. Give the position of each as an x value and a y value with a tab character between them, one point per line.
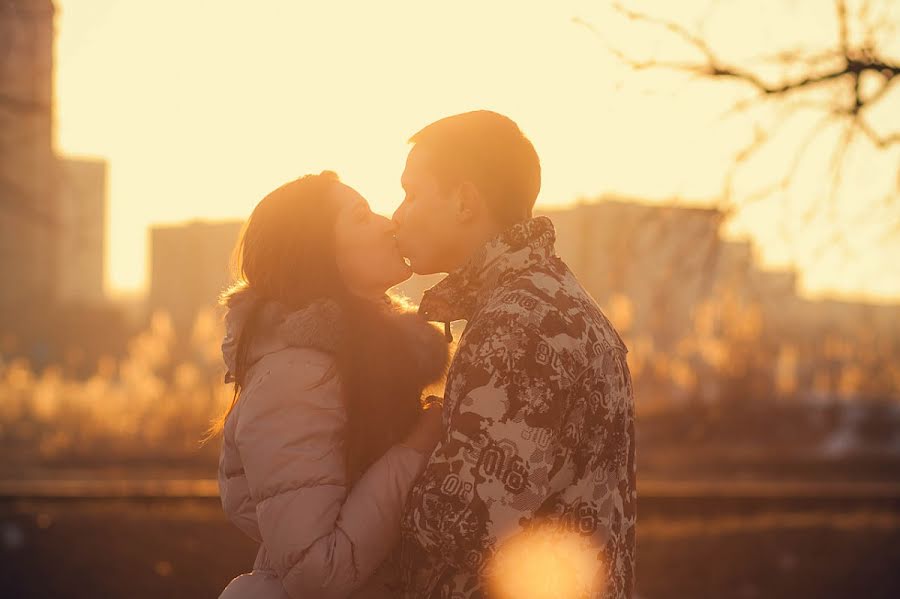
539	425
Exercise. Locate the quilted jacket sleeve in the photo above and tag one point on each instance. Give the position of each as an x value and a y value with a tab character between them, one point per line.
322	540
236	500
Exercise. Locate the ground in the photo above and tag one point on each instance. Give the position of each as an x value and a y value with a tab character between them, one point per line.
184	548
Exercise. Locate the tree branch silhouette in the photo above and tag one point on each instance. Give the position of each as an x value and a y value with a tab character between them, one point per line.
841	84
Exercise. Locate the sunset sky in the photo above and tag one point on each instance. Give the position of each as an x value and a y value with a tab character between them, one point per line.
202	107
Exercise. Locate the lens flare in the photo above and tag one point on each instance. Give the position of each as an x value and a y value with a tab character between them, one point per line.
546	564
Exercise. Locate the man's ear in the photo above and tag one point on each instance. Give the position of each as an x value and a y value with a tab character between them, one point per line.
469	203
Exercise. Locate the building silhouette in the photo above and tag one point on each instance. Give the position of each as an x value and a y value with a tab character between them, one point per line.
671	281
29	225
82	215
683	296
52	212
659	257
189	267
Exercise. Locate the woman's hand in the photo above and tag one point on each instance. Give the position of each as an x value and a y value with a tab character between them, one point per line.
427	432
435	391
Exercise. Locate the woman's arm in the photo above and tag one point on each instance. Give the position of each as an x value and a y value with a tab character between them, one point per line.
235	495
322	541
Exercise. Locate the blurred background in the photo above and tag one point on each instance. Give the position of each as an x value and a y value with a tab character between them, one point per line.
724	177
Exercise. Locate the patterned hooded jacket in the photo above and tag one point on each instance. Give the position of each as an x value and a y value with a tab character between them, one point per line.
539	430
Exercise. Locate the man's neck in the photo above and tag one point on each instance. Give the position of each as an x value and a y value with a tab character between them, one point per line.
473	242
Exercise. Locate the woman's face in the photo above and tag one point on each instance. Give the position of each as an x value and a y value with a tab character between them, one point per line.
365	246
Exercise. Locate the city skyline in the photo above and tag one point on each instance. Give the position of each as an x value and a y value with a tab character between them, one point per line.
210	130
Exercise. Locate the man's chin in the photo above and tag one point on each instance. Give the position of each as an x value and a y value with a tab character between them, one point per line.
420	269
417	264
403	272
408	272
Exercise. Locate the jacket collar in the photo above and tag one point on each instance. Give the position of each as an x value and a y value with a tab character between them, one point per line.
461	293
323	325
319	326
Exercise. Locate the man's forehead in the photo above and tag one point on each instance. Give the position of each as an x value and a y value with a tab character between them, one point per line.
416	165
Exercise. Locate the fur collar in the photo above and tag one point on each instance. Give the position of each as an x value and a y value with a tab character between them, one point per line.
322	325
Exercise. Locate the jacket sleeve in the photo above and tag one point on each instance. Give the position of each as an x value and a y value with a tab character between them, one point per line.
502	454
321	540
236	499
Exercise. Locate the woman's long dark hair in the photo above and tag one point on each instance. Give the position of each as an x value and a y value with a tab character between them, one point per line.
286	254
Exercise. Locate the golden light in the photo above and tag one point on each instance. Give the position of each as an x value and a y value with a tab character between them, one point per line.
240	99
546	564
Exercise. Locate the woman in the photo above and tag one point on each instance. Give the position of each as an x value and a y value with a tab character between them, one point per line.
326	432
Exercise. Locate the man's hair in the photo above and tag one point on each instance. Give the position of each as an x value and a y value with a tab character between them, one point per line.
490	151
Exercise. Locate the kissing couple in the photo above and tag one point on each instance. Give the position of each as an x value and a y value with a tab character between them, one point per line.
368	463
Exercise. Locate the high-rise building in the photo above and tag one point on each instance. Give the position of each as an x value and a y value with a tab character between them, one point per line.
189	267
82	216
29	224
660	257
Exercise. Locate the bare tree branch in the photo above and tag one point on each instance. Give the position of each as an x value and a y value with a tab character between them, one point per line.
844	35
841	84
844	64
881	141
853	63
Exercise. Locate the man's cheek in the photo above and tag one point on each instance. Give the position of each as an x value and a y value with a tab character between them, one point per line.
423	225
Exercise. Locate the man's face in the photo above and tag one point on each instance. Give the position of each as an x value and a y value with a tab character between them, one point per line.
427	223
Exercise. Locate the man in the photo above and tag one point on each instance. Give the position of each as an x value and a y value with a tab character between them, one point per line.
538	408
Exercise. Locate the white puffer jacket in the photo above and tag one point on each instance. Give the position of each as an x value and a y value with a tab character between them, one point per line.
282	474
